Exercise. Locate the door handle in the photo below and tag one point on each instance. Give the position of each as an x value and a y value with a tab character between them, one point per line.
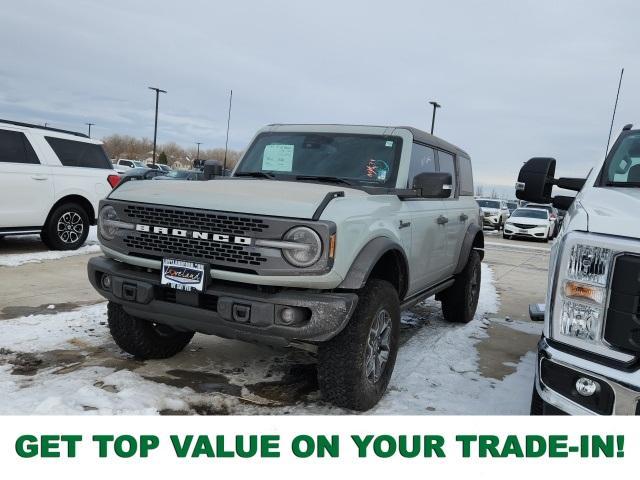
404	224
463	217
442	220
39	177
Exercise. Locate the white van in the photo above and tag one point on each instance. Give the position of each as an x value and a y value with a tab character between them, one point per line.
51	181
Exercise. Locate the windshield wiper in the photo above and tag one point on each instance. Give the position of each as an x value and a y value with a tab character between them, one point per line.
256	174
324	178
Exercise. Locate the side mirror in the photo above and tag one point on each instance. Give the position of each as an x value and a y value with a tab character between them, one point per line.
433	184
212	169
536	179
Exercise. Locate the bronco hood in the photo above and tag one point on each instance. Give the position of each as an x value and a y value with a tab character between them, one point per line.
256	196
613	210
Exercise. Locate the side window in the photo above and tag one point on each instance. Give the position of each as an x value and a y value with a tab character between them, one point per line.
445	160
466	176
79	154
15	148
423	159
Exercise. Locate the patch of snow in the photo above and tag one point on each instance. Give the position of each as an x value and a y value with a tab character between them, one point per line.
17	259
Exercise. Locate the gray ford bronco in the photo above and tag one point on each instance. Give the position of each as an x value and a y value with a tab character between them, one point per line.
318	240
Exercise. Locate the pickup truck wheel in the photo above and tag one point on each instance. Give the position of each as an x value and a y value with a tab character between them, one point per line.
355	366
460	300
144	339
67	228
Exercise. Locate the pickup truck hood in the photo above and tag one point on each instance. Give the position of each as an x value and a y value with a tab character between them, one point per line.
613	211
256	196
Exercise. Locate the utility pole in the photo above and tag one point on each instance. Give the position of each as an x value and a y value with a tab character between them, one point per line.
198	151
89	124
155	128
433	117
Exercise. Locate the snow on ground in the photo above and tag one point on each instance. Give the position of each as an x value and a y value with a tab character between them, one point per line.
67	363
17	259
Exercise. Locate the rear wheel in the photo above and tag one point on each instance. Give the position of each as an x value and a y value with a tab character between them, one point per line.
144	339
67	227
355	366
460	300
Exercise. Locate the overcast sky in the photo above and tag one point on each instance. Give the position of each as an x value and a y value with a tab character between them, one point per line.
516	79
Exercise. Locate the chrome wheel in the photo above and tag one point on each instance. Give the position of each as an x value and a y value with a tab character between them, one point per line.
378	346
70	227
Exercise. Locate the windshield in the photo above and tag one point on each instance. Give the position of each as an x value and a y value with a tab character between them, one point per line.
548	208
177	174
623	167
489	203
512	205
365	160
530	213
137	163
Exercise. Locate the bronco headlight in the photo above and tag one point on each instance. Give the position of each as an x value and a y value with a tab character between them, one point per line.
307	249
580	294
108	223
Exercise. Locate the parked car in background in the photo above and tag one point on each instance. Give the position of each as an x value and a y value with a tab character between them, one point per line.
126	163
511	206
159	166
529	223
51	181
494	212
181	175
140	173
553	215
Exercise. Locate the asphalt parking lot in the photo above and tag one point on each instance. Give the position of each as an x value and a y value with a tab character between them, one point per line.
250	379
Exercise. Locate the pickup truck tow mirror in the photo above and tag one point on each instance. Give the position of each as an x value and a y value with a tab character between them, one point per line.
433	184
212	169
535	180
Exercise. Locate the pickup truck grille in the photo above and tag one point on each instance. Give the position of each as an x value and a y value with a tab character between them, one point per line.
622	327
525	225
196	220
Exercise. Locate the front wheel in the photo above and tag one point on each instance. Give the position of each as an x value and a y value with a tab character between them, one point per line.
460	300
355	366
144	339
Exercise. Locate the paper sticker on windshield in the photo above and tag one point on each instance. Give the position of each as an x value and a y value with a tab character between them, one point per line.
278	158
382	175
389	143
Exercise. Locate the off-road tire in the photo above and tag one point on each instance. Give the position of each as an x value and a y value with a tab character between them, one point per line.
460	300
144	339
537	404
54	239
342	374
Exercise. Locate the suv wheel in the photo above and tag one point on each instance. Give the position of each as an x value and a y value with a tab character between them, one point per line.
67	227
460	300
355	366
144	339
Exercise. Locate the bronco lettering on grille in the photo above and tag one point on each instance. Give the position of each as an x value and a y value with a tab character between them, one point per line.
180	232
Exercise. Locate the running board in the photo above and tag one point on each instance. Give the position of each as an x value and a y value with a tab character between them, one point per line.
429	292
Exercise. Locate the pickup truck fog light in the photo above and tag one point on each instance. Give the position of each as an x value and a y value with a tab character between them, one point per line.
105	281
307	250
580	320
586	387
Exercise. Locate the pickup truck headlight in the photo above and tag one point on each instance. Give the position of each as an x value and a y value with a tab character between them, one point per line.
307	250
580	294
109	224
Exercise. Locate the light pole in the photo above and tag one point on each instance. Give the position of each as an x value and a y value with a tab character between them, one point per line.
433	117
89	124
155	127
198	151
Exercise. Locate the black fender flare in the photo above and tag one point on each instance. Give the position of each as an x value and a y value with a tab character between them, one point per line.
366	260
467	245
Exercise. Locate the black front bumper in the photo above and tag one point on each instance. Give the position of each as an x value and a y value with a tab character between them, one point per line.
224	309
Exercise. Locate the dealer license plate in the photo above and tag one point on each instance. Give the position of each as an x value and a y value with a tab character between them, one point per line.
183	275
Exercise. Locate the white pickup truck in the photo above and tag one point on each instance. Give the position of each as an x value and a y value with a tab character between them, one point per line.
589	353
51	181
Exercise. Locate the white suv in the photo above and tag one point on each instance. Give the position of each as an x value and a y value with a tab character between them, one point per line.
51	181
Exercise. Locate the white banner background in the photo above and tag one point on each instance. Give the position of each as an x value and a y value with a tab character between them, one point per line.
163	462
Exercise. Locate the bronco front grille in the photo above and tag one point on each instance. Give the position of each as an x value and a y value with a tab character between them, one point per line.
194	220
212	252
